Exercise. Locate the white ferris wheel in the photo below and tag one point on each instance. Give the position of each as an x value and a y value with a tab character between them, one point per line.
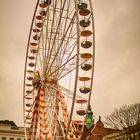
59	69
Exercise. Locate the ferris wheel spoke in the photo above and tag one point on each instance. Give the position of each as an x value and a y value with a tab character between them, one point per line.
71	68
47	28
57	29
68	8
64	49
52	28
60	67
39	65
66	52
67	67
59	46
62	42
68	93
64	91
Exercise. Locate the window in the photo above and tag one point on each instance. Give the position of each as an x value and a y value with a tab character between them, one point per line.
18	138
11	138
3	138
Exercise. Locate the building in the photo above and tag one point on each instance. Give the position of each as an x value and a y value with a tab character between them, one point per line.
129	133
93	131
99	131
10	131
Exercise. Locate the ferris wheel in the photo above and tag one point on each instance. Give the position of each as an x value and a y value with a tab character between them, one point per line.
59	69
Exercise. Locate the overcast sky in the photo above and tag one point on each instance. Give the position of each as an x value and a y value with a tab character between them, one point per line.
117	66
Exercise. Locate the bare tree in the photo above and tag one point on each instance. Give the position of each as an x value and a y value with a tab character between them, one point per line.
127	119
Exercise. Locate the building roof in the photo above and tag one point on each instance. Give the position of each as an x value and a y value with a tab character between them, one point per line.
111	130
7	122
